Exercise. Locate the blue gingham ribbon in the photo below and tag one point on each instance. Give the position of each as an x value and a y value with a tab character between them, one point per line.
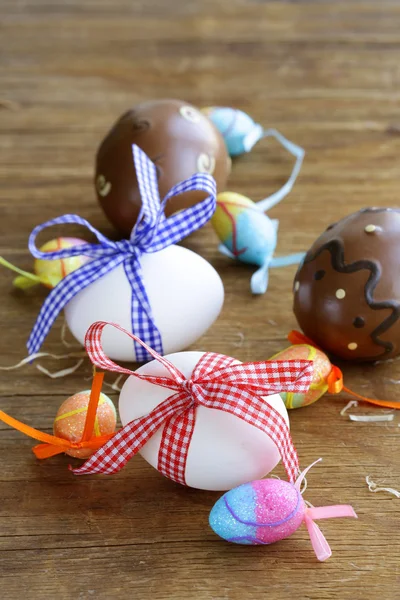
153	232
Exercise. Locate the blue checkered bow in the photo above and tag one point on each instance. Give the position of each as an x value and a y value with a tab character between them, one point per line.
153	232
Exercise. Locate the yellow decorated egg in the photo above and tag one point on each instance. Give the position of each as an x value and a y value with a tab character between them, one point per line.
51	272
322	368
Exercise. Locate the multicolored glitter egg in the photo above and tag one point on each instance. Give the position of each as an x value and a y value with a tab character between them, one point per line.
239	131
71	416
259	512
322	368
51	272
270	510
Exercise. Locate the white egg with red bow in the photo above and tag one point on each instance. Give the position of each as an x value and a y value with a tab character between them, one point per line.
186	295
224	450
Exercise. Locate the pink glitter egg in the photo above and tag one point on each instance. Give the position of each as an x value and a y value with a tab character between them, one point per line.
260	512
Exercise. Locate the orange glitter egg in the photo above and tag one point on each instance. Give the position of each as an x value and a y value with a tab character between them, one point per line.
51	272
71	416
322	368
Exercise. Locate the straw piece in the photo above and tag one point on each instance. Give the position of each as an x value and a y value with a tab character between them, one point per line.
115	386
32	357
240	341
64	341
373	487
62	373
371	418
348	405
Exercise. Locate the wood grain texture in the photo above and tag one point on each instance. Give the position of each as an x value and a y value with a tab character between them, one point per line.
326	73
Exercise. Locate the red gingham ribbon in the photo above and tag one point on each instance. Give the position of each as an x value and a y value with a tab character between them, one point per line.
216	382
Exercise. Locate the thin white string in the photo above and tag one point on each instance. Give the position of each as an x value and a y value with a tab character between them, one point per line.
62	373
373	487
33	357
64	329
296	151
348	405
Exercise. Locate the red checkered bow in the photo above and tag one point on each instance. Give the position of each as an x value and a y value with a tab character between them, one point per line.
216	382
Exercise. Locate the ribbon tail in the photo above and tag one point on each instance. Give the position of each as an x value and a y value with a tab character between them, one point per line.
298	153
42	451
384	403
32	432
331	512
127	442
318	541
335	377
29	278
114	455
289	259
259	280
24	283
255	135
302	475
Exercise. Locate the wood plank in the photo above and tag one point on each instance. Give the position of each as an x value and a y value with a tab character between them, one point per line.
326	74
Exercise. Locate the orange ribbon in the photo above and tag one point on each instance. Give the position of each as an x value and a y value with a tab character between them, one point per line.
335	377
55	445
296	338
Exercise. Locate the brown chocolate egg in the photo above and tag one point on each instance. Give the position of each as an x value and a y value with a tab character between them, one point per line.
347	290
178	138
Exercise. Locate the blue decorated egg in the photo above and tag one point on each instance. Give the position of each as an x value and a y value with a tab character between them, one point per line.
246	232
239	130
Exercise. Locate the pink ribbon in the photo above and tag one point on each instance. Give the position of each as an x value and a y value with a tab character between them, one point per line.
318	541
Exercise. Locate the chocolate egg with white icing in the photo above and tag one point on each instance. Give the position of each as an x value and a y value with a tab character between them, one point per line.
347	290
178	138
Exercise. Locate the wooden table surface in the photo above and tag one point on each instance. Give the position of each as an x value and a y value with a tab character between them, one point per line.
327	75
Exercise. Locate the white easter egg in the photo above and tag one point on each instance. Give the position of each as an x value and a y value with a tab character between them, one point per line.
224	451
185	292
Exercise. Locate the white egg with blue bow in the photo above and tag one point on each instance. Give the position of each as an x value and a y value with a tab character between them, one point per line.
185	292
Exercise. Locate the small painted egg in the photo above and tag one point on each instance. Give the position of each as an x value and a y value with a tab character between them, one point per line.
322	368
71	416
51	272
239	131
259	512
244	230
